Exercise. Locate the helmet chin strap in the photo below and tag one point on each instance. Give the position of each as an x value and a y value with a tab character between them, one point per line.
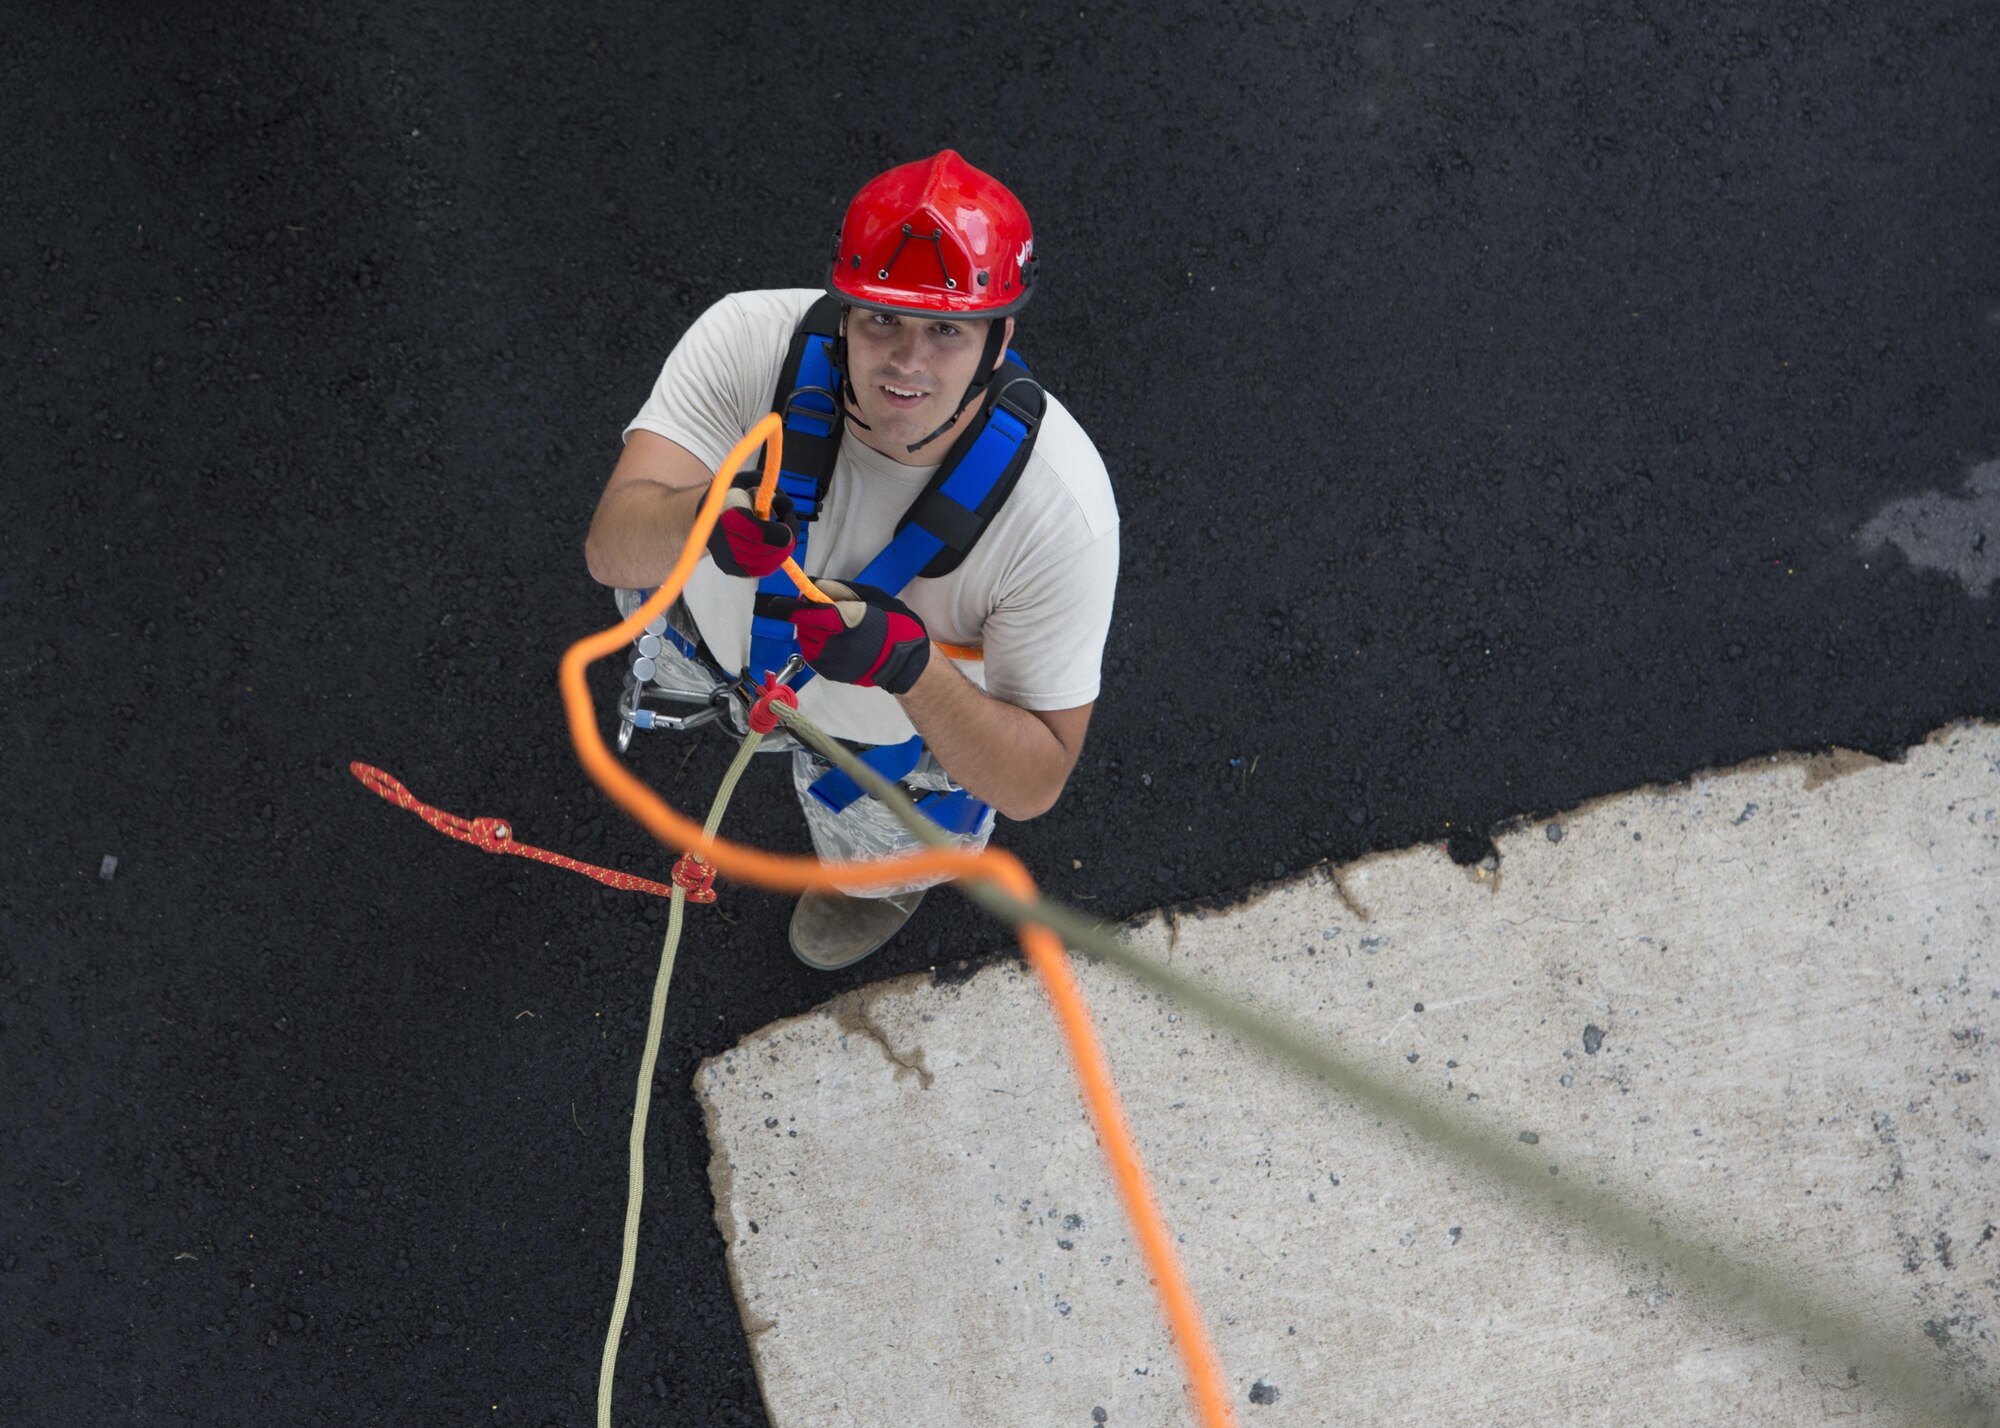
850	403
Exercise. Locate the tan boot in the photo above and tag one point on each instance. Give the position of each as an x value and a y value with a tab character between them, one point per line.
831	930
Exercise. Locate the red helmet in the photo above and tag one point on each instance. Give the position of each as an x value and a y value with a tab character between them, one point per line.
935	236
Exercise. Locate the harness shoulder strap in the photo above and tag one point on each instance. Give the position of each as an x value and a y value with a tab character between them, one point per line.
808	402
967	491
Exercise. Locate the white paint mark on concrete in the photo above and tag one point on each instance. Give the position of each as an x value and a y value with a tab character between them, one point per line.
1959	535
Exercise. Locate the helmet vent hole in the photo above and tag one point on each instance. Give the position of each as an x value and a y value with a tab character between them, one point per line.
951	282
982	280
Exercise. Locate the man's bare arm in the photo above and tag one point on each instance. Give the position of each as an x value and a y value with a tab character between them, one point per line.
647	509
1015	759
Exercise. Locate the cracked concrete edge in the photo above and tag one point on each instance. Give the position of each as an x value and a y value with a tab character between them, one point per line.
850	1010
721	1188
851	1014
1817	766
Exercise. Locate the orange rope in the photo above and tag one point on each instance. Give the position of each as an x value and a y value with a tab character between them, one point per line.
796	873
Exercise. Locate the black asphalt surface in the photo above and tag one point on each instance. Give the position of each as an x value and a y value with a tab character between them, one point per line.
1492	402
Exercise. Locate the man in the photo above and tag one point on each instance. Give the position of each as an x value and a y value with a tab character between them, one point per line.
932	263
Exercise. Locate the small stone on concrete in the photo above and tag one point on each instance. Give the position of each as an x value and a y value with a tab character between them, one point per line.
1263	1391
108	869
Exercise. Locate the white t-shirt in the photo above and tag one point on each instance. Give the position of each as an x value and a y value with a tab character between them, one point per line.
1035	591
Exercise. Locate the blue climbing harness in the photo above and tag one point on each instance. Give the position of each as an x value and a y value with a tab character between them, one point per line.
961	499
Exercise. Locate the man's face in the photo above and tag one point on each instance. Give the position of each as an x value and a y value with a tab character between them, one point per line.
909	374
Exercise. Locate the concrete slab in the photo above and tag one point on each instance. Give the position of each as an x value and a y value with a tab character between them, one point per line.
1767	1000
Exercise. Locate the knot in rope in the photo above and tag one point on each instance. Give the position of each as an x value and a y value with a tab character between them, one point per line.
695	878
763	718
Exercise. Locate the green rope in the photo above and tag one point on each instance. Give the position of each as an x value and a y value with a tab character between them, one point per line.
1733	1279
636	1175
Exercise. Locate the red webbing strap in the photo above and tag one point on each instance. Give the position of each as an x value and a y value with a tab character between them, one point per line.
492	835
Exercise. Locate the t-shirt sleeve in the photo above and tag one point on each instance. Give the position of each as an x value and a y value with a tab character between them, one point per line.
716	382
1044	642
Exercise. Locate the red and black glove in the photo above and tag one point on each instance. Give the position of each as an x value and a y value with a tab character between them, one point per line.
866	636
741	543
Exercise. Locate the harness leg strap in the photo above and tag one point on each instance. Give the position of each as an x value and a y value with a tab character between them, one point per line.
955	811
893	761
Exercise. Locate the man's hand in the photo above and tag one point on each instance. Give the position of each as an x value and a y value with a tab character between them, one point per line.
744	544
866	636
